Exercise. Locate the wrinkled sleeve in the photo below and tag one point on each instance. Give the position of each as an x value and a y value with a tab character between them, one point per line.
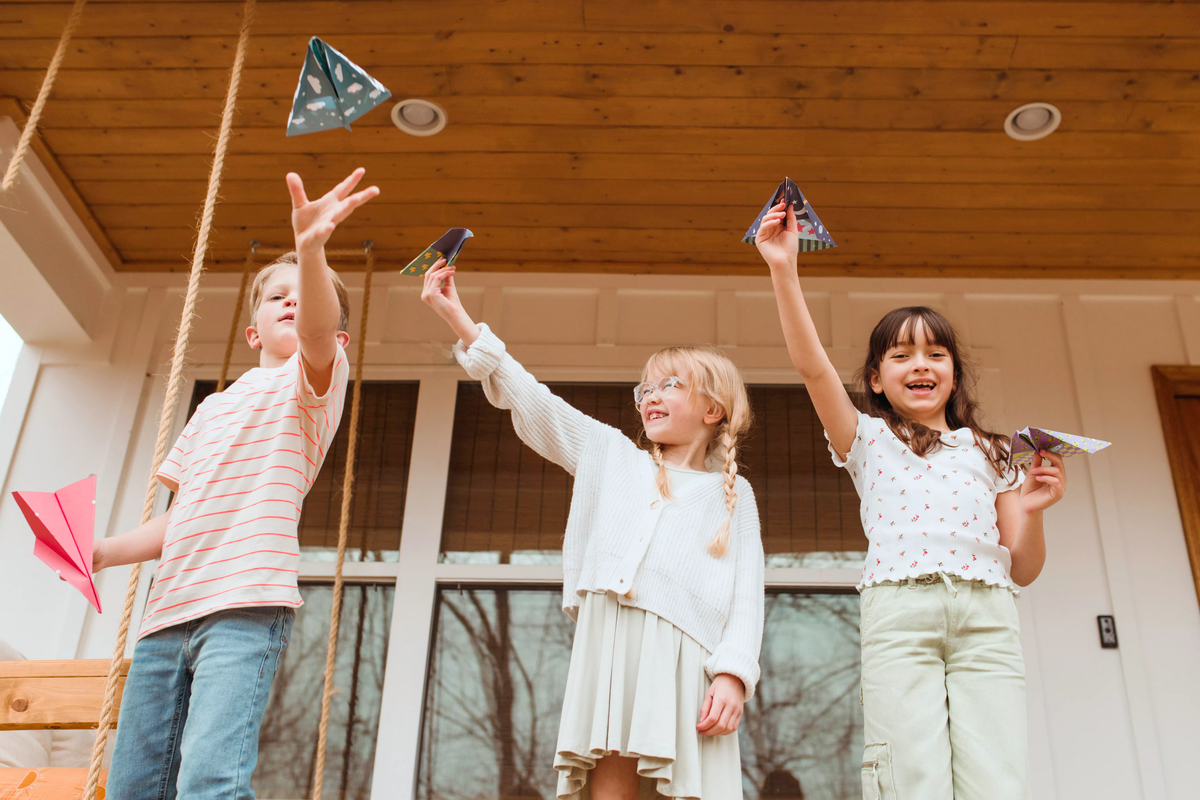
551	426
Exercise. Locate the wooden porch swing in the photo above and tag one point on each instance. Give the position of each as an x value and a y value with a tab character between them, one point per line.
86	694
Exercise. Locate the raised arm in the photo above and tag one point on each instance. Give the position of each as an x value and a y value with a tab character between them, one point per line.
554	428
778	242
317	313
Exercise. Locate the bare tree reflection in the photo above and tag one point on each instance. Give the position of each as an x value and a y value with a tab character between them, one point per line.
499	667
288	739
802	731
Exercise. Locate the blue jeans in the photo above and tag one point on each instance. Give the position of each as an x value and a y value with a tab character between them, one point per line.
193	704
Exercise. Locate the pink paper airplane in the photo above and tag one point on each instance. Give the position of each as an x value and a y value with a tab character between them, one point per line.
64	523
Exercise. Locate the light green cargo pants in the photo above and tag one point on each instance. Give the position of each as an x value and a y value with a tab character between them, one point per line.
943	691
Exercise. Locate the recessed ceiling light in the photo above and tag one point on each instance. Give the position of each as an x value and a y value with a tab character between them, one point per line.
418	117
1032	121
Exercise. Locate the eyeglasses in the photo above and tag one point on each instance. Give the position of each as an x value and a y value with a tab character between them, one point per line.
662	387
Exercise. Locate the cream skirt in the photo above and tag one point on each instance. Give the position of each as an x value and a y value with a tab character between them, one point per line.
636	688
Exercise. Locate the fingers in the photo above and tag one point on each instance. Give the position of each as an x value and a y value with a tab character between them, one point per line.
296	190
346	207
791	219
726	723
711	715
347	186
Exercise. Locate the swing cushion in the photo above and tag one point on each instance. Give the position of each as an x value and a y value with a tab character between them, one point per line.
47	784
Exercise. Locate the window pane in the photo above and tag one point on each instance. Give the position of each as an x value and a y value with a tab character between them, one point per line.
386	422
288	739
505	504
808	508
498	672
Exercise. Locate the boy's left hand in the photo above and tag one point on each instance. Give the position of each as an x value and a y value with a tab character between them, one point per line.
315	220
722	712
1045	484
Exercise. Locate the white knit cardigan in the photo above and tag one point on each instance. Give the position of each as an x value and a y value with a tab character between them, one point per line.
623	537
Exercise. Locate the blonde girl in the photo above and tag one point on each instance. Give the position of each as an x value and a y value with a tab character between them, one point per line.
662	568
951	531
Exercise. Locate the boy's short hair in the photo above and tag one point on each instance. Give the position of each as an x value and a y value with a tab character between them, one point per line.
292	259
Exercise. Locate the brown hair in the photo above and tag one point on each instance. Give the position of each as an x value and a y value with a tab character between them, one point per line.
962	411
710	372
292	259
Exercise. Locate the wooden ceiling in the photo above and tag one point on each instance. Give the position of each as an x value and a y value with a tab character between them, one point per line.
644	135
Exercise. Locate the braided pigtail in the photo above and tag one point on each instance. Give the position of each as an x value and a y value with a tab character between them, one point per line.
662	480
720	541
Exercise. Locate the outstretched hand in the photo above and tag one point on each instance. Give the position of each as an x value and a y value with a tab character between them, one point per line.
722	712
315	220
778	237
1046	482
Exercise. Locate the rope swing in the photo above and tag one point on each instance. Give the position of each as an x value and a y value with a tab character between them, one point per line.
335	613
174	381
31	124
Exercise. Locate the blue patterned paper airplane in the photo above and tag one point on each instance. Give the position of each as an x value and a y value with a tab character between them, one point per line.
332	91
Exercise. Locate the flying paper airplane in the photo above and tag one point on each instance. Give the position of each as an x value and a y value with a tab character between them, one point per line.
813	235
332	91
64	524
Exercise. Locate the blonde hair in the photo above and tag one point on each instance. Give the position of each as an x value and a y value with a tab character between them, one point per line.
710	372
292	259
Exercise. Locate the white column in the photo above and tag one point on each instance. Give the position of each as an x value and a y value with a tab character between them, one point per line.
1112	540
396	753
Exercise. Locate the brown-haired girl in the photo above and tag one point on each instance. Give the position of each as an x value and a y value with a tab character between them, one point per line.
951	531
662	568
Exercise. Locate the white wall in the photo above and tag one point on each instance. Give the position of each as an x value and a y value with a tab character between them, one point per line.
1069	356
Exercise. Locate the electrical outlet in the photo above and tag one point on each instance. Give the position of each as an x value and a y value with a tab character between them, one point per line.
1108	632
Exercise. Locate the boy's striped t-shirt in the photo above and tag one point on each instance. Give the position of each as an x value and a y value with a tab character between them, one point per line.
244	464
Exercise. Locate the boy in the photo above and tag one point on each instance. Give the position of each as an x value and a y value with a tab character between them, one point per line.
224	595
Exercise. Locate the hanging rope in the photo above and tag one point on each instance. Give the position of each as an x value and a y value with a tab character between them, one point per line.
335	613
31	124
237	316
174	388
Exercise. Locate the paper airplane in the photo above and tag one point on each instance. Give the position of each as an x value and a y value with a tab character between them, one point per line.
333	90
1028	441
813	235
447	247
64	524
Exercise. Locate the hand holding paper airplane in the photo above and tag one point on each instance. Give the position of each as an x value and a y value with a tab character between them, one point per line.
1028	441
64	524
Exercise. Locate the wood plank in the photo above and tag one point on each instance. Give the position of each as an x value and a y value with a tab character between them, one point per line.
826	263
748	194
914	16
624	80
252	217
66	668
980	115
374	50
53	703
574	139
1080	53
270	82
298	17
389	170
48	783
718	245
1029	18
